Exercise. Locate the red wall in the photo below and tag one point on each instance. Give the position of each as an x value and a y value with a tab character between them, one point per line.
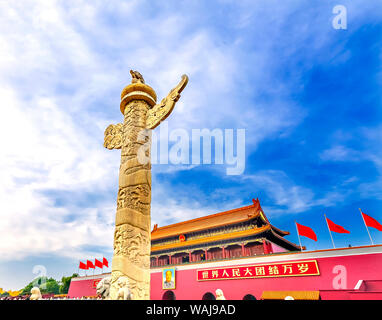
347	265
275	248
85	287
355	267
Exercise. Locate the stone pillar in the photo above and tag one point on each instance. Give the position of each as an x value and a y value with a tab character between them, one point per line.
132	236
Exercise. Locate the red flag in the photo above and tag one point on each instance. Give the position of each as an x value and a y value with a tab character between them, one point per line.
98	263
335	227
371	222
89	264
83	266
105	262
306	232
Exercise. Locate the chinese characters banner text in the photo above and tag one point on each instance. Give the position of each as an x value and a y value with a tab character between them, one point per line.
299	268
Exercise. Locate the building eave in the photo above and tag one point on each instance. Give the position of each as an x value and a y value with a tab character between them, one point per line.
205	240
285	241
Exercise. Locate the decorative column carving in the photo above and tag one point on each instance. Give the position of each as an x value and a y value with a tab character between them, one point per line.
132	236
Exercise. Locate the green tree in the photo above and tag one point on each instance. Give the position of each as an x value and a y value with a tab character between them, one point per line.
39	282
51	286
65	283
46	285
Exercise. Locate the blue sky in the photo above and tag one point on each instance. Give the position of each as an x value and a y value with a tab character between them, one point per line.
308	96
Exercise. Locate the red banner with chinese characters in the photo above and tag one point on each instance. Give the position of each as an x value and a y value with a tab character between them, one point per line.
282	269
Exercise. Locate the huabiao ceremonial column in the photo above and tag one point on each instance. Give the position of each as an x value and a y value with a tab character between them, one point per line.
132	236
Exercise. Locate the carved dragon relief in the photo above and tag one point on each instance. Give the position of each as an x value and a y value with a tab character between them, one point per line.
135	197
129	242
163	109
113	136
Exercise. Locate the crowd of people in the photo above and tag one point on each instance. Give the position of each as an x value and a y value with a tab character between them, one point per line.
51	297
36	295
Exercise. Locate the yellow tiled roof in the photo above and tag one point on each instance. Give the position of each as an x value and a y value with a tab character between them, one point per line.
236	234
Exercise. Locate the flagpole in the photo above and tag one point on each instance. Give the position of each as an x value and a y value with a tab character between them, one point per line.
366	226
329	231
299	240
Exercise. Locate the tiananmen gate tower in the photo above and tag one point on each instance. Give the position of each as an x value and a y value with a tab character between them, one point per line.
240	252
241	232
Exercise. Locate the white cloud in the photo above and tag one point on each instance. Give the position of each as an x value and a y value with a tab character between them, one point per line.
62	68
44	151
287	197
339	153
53	79
284	192
365	149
